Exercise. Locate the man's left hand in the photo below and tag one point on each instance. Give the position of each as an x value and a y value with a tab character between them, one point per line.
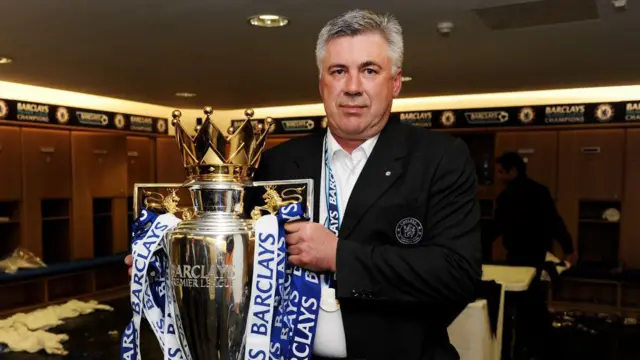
311	246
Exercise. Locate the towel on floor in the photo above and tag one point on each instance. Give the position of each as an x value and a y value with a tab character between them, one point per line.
27	331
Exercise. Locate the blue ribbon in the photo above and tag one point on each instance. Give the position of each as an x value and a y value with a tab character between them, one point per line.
149	296
298	299
334	219
296	305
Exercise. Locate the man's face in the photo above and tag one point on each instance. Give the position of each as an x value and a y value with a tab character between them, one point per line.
506	176
357	85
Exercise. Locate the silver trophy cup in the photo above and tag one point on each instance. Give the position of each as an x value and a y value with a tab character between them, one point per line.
211	250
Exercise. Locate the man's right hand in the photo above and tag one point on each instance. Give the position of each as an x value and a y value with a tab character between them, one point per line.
129	261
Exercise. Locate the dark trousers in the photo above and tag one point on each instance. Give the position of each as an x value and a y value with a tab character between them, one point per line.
533	320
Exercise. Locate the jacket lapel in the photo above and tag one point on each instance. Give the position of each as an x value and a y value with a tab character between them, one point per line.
382	169
308	165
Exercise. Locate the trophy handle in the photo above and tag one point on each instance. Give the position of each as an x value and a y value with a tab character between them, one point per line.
274	200
157	201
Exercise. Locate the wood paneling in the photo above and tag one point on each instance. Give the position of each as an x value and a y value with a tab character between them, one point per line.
590	168
47	163
591	164
10	164
169	167
46	155
629	221
539	150
273	141
141	161
81	180
121	238
106	161
99	167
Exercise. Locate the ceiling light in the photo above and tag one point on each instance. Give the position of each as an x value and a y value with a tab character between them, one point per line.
406	78
185	94
267	20
5	60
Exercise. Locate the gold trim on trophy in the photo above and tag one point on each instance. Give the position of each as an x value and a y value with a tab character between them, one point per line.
212	155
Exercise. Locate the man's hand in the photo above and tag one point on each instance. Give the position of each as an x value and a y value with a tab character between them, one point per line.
311	246
129	261
570	258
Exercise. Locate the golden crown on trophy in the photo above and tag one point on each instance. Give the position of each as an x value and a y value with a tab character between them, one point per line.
213	155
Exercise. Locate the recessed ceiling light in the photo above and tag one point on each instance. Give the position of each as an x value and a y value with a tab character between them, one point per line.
268	20
185	94
406	78
5	60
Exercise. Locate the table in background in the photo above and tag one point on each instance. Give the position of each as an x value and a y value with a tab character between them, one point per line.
513	278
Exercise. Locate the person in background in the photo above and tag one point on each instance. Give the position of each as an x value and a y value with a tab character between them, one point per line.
528	221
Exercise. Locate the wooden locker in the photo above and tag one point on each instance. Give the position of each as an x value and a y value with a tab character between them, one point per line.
539	150
630	226
99	167
169	166
140	162
47	163
11	226
47	192
104	158
590	174
591	164
10	164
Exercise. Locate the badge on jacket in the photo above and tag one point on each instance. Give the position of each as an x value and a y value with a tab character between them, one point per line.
409	231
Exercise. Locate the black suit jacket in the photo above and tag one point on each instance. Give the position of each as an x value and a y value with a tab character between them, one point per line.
397	299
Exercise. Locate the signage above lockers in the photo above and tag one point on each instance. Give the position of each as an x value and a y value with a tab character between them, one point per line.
48	114
511	116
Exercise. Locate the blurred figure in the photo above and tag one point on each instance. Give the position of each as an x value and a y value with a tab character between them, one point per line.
526	216
528	221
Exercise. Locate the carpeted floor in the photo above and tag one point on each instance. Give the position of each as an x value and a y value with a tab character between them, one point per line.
581	336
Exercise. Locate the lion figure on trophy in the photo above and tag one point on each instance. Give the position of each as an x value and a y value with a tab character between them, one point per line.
274	201
168	204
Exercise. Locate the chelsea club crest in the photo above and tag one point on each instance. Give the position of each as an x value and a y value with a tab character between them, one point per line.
409	231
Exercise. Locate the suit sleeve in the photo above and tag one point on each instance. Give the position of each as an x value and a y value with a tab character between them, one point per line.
446	268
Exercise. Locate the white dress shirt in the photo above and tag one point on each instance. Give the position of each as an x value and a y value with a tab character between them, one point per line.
330	339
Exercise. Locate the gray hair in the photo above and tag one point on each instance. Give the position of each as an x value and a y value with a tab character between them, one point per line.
356	22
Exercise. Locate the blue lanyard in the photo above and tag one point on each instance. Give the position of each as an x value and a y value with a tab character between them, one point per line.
333	220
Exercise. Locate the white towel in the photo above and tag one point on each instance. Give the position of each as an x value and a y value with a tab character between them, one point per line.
27	332
544	276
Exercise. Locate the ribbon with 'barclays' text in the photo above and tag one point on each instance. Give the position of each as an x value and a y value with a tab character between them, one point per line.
292	295
284	303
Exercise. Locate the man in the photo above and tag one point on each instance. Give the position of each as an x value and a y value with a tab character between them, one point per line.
407	258
526	216
528	221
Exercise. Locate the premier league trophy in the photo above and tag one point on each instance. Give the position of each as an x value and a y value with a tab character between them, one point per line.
210	279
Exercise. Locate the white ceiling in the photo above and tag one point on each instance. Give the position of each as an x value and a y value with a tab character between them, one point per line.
146	50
